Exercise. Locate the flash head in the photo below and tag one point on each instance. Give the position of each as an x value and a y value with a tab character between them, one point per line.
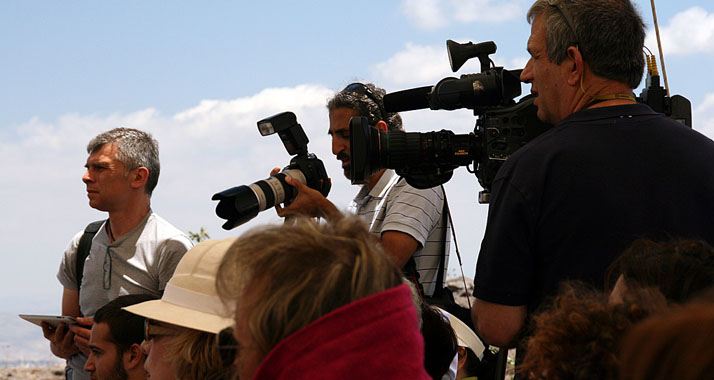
286	126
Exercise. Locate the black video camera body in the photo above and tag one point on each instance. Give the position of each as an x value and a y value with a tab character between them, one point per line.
428	159
242	203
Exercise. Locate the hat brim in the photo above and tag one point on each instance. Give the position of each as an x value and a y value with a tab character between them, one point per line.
465	336
177	315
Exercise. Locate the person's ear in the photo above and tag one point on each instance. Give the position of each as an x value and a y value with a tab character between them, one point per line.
139	177
134	357
576	65
462	357
382	126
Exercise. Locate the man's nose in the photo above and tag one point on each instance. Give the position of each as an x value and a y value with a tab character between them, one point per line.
145	347
85	177
337	146
89	365
526	75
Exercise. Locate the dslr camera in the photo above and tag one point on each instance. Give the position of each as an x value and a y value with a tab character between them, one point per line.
242	203
428	159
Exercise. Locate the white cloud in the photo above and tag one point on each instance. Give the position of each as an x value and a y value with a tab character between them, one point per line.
434	14
468	11
703	116
204	149
422	65
517	63
415	65
427	14
688	32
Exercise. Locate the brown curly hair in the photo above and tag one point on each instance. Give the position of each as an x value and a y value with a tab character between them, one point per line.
577	338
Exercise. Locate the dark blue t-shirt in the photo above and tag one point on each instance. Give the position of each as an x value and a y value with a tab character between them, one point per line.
564	206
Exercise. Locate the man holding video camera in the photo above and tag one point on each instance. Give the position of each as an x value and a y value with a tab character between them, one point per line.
134	251
410	223
564	206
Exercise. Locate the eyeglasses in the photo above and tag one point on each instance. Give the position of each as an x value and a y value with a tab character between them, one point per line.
362	90
558	4
227	346
152	330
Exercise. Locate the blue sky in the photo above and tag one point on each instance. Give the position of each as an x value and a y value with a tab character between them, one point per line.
198	75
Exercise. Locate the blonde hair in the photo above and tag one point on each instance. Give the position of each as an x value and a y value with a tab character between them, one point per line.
194	356
301	271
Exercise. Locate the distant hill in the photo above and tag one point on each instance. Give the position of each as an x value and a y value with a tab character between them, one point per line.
22	344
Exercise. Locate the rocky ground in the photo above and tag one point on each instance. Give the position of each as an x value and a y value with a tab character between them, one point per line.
32	373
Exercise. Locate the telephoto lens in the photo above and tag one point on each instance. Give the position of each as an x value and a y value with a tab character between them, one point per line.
242	203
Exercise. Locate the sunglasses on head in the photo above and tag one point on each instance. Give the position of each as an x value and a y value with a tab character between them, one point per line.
362	90
227	346
152	330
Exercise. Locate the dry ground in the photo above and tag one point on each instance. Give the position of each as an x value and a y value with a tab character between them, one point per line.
32	373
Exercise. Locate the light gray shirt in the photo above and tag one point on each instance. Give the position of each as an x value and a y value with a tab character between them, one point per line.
139	262
394	205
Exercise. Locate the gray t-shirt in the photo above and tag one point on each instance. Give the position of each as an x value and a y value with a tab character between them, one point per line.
139	262
393	205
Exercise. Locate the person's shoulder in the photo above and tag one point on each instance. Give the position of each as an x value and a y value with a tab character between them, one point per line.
164	229
403	187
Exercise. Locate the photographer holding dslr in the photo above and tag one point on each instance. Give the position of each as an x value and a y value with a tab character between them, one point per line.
610	170
410	223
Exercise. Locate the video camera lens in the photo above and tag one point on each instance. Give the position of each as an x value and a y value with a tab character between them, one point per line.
242	203
430	154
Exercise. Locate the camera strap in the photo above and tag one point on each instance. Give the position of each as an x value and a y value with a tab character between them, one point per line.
456	247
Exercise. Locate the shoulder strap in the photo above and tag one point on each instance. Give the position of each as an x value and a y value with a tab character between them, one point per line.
442	262
85	244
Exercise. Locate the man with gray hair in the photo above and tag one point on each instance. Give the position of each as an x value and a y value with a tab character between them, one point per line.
611	170
134	251
411	224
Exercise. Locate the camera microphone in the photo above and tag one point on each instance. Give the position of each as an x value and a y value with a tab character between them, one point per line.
408	100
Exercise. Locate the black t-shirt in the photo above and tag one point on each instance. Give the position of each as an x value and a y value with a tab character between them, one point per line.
564	206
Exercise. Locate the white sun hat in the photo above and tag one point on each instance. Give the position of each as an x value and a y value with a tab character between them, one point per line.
465	336
190	298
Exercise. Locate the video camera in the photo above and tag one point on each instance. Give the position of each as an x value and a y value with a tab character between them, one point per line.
428	159
503	126
242	203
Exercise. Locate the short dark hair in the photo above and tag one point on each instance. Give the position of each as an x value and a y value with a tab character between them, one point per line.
370	107
125	328
440	342
610	35
135	149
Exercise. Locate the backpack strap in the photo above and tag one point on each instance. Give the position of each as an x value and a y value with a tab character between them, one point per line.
85	244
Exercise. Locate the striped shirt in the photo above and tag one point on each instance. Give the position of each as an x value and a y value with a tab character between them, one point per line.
393	205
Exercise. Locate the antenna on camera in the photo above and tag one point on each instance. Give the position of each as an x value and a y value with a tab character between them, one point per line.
659	45
460	53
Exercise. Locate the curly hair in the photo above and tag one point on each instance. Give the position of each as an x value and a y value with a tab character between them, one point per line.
370	107
302	271
577	338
